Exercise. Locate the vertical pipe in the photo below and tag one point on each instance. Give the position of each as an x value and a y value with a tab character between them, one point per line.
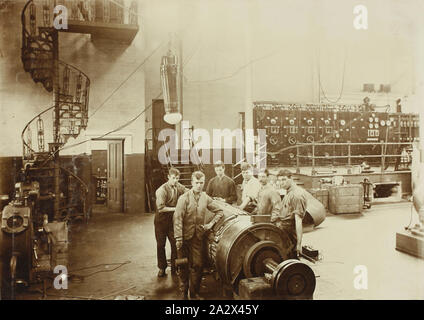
180	53
349	161
382	156
334	152
297	158
248	107
56	130
243	129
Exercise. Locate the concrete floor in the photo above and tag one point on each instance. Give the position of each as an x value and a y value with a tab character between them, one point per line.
345	241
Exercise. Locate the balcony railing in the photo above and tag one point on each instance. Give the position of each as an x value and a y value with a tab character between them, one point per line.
345	152
122	12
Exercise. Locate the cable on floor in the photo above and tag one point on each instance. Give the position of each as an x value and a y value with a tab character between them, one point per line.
82	277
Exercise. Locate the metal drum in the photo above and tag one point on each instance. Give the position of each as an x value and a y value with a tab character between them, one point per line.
315	209
237	247
233	250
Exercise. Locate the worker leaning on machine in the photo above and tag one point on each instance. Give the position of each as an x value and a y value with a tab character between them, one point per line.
290	217
269	201
194	215
250	188
166	200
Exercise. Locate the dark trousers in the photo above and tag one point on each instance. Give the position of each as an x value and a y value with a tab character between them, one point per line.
164	228
289	229
191	274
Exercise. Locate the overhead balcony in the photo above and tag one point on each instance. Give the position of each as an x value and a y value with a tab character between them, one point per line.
107	19
102	19
69	85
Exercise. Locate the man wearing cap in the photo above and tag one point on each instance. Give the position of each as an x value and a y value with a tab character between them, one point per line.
250	187
289	218
166	200
195	215
222	187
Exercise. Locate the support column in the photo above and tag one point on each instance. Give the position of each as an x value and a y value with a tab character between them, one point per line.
248	104
56	126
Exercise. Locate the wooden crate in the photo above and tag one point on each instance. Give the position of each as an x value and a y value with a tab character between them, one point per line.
410	243
321	195
346	199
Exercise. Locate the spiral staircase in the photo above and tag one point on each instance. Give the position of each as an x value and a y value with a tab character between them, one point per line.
49	192
69	86
70	89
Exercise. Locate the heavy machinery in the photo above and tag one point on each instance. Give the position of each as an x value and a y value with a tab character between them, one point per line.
251	256
34	225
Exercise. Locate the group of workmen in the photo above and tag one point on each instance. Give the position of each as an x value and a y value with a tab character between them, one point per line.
185	216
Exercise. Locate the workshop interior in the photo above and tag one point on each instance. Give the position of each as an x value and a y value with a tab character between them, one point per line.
100	99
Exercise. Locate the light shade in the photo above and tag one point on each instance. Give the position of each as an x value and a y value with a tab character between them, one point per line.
172	118
171	88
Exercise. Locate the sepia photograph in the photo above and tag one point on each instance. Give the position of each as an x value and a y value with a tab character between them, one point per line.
237	151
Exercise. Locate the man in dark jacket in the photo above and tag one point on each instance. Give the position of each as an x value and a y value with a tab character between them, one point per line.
194	215
222	187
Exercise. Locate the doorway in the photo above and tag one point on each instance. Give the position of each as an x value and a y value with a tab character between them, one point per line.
114	173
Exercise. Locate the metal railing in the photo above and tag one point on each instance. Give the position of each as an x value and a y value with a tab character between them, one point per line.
349	156
235	165
256	158
103	11
312	107
199	165
167	155
70	89
70	86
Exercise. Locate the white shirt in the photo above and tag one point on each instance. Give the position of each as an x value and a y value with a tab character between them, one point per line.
251	188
